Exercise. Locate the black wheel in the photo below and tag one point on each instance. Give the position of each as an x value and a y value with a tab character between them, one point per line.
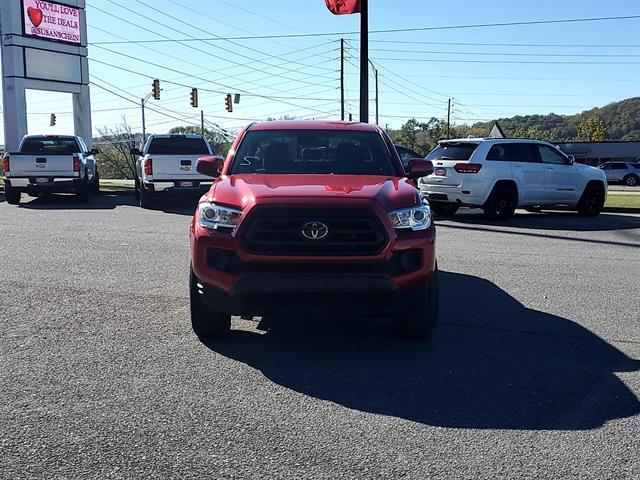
95	185
420	320
136	187
631	180
83	190
12	194
444	209
145	197
592	201
502	203
205	321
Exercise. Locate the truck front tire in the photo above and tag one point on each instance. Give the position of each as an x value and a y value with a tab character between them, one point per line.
206	322
12	194
419	321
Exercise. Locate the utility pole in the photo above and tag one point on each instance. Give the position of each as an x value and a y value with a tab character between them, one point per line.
342	79
376	72
364	61
449	120
202	122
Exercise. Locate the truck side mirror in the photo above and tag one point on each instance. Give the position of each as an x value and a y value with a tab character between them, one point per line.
135	151
94	151
419	167
210	166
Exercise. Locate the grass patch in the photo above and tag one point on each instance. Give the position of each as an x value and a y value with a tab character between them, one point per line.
116	184
626	201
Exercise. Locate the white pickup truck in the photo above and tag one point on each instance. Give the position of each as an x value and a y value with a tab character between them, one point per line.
167	164
50	163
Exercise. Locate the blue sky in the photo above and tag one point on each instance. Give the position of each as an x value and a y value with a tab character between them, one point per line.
300	76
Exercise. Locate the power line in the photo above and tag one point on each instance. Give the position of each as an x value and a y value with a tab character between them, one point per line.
398	30
513	54
478	44
439	60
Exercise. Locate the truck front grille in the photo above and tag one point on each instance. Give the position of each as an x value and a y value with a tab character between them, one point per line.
279	231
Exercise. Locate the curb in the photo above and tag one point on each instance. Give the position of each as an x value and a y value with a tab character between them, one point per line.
621	209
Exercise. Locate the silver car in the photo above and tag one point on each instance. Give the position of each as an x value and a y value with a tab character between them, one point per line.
626	172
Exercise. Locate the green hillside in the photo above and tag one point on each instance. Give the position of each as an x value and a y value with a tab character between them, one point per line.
622	121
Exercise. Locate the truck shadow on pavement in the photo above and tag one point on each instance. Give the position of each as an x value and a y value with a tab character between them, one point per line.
107	201
490	364
550	221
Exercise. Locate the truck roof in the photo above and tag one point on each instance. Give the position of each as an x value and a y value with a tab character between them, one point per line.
176	135
491	140
313	125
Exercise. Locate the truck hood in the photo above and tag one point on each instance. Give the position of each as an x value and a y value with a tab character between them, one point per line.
245	190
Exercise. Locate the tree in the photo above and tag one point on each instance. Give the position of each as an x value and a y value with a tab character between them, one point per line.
593	130
114	159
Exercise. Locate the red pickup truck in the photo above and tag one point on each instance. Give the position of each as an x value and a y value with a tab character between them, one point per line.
308	217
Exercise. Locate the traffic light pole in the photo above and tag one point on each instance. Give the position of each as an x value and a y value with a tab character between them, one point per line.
143	101
342	79
364	61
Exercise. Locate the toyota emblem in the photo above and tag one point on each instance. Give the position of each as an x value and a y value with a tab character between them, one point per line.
315	230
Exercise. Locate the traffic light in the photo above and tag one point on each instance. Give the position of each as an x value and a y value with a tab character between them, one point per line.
156	89
228	101
194	97
52	120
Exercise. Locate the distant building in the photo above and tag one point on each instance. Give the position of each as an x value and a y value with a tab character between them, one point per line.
597	153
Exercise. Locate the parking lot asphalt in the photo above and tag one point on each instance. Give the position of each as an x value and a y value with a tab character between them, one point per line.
533	370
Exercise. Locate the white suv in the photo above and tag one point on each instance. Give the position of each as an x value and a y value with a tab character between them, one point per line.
500	175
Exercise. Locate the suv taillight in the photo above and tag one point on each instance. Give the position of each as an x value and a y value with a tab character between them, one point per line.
467	167
148	167
5	163
77	163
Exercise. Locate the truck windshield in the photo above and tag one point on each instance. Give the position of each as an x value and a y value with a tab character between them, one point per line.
49	145
178	146
453	151
313	152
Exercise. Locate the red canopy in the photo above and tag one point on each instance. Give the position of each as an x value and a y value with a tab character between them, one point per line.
343	7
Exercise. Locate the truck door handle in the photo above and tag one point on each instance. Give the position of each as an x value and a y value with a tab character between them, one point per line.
41	160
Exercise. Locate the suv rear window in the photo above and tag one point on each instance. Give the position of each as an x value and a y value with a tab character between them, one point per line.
50	145
335	152
178	146
453	151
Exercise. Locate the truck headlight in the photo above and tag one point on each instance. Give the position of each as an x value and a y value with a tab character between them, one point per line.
215	216
414	218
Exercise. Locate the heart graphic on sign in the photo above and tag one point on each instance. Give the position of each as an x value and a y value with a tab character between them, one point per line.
35	15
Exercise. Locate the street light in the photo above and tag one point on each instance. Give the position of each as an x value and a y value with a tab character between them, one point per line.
375	72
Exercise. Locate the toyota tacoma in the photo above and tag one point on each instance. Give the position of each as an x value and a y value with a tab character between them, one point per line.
309	217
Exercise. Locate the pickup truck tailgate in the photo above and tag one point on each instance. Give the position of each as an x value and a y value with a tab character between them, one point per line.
41	165
176	167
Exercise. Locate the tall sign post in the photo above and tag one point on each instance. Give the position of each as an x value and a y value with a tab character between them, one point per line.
346	7
44	47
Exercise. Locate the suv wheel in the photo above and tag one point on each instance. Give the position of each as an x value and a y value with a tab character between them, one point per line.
420	320
146	197
12	194
205	321
444	209
501	204
592	201
631	180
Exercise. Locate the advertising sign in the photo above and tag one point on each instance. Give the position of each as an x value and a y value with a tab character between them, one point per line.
51	21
